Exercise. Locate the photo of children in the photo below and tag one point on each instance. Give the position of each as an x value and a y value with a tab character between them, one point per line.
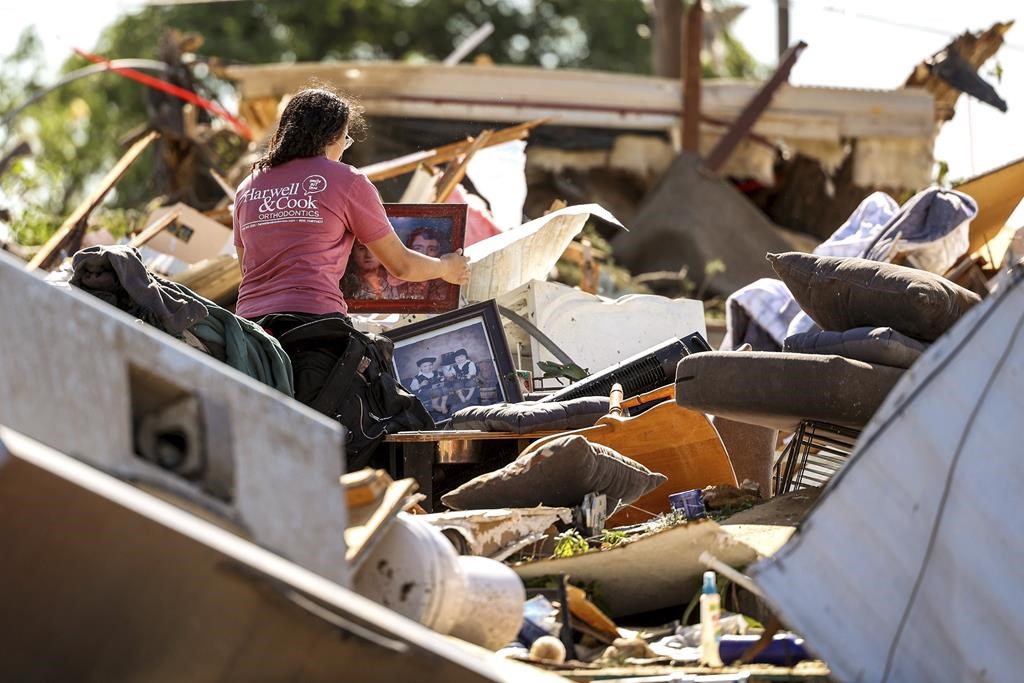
449	369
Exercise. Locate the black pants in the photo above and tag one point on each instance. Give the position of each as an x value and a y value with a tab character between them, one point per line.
300	319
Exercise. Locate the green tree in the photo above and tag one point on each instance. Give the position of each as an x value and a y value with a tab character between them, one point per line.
80	129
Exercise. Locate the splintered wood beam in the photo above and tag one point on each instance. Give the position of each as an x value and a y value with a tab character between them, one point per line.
755	107
155	228
457	169
693	28
75	223
434	157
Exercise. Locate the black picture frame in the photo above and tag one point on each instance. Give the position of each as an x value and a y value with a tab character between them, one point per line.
446	223
474	329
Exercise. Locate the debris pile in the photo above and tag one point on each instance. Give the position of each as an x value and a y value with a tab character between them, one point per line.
573	477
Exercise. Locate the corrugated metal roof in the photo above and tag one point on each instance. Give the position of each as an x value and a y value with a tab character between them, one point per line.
908	567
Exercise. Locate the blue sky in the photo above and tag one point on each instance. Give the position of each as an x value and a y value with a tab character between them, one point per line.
852	43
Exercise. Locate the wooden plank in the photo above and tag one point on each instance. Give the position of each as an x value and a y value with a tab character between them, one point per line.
367	523
155	228
691	72
47	256
408	163
457	169
753	111
577	98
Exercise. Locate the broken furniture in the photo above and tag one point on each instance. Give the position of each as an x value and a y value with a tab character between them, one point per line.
921	528
816	451
415	454
681	444
780	390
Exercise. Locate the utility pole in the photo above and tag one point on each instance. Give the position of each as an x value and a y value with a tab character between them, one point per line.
783	25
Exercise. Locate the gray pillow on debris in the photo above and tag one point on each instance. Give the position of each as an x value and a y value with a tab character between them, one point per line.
778	390
843	293
882	345
558	472
523	418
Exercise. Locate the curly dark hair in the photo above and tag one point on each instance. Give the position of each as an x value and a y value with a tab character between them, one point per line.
314	118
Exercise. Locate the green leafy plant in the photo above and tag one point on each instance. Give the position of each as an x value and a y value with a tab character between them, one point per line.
570	543
570	371
611	538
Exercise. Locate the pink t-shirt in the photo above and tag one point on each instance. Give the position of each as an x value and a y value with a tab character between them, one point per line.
297	223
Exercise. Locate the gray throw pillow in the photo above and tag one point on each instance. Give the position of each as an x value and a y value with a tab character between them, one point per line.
777	390
882	345
558	473
523	418
844	293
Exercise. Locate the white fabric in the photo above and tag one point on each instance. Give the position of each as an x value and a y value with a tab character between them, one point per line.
769	304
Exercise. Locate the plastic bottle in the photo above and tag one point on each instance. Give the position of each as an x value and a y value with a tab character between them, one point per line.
710	629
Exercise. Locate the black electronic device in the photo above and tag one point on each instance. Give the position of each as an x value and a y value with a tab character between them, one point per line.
646	371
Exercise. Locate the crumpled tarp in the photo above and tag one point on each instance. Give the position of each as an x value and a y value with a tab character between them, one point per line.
117	275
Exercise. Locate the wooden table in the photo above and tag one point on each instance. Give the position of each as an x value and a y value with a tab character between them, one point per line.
414	454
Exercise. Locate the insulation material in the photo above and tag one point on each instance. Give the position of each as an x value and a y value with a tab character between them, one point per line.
893	162
828	153
491	533
645	156
750	160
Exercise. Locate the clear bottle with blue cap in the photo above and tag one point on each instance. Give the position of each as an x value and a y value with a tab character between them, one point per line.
710	628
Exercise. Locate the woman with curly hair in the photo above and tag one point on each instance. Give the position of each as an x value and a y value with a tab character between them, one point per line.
301	209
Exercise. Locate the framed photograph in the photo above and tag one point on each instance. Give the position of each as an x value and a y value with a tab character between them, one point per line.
456	360
431	229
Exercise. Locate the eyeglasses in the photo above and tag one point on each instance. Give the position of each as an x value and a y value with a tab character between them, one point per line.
348	142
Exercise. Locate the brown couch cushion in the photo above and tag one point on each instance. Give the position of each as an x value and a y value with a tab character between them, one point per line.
882	345
843	293
559	473
778	390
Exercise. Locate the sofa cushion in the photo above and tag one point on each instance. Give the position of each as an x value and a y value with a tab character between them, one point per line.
557	472
882	345
779	390
843	293
523	418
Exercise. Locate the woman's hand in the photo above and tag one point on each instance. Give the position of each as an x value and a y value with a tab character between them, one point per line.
456	268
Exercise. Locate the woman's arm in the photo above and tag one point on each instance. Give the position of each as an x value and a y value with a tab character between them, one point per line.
406	264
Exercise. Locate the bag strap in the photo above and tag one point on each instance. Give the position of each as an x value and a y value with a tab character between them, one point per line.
344	370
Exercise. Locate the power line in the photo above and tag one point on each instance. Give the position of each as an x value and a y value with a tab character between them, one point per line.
833	9
898	24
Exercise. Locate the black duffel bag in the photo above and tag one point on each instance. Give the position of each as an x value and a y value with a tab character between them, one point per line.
346	375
